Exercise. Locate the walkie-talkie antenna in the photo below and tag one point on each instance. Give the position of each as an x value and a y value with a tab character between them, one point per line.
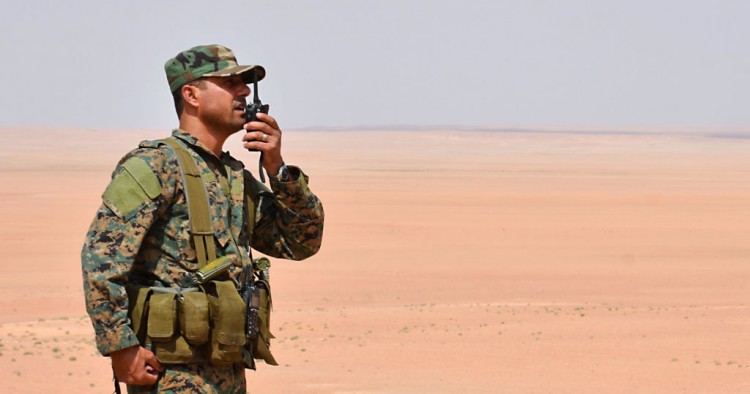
256	100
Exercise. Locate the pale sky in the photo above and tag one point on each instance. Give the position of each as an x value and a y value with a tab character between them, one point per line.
338	63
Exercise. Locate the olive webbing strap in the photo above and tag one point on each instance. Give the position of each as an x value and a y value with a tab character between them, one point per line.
201	228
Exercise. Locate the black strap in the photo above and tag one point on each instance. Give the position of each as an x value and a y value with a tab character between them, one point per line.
117	383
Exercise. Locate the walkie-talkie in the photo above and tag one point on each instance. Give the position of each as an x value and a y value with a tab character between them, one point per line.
256	106
251	112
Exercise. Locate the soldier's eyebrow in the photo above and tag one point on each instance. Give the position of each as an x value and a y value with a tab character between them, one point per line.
219	81
233	81
237	79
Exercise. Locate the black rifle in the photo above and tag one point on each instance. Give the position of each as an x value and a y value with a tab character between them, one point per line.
251	298
250	293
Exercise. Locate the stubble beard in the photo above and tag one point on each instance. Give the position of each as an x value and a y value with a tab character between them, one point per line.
225	124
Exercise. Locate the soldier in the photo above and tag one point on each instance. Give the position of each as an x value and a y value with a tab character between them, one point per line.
141	234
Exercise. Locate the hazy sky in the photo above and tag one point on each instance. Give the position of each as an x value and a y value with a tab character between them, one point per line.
99	64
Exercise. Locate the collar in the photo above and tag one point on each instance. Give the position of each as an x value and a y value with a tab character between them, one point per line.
193	142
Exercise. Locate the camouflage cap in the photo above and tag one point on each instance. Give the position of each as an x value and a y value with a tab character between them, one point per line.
206	61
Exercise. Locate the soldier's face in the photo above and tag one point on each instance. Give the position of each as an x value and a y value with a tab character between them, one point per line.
222	103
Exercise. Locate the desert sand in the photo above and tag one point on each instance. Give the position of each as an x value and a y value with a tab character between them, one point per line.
526	261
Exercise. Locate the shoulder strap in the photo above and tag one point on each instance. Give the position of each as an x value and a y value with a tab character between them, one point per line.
201	228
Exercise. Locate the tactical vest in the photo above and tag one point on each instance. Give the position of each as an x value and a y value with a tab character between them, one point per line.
205	323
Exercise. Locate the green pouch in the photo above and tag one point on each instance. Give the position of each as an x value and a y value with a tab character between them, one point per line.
262	346
227	312
175	351
138	297
193	312
162	317
264	313
168	346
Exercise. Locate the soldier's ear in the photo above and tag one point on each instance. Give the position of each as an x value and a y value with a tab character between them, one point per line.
190	95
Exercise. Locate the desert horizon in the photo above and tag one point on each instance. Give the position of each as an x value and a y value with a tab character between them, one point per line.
498	259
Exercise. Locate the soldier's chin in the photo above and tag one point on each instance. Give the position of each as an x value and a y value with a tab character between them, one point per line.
240	126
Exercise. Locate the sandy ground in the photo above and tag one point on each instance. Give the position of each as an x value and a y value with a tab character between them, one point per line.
478	262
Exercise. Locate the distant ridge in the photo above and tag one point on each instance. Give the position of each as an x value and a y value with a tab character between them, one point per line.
704	131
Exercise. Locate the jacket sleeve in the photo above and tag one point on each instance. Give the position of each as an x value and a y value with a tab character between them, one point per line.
129	208
289	220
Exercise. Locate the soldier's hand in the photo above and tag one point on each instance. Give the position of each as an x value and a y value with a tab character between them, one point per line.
136	365
264	135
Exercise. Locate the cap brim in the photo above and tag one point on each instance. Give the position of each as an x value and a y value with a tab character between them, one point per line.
245	71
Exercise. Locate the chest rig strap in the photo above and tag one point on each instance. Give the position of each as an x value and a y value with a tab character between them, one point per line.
201	228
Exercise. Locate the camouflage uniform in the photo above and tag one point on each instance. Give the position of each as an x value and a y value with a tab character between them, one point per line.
140	235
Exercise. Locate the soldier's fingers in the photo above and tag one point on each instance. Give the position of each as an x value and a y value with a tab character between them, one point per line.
259	140
254	125
269	120
126	363
258	127
152	361
146	378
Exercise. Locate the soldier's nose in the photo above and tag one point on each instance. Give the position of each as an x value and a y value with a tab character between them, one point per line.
244	91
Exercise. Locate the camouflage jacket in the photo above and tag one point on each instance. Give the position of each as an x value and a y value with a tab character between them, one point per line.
140	234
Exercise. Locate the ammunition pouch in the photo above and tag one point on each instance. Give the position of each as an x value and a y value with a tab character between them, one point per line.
188	326
228	318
